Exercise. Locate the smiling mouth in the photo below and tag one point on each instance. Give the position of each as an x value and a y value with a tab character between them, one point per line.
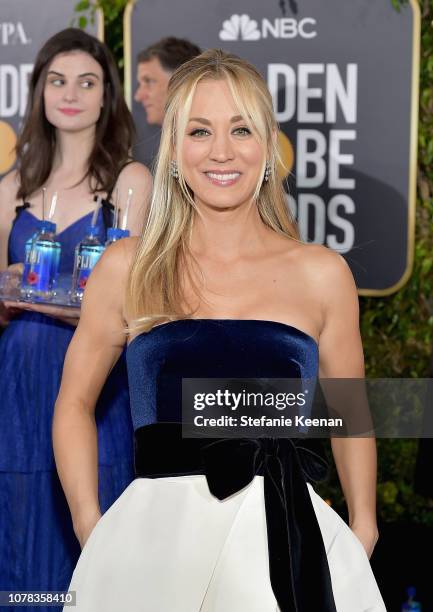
223	179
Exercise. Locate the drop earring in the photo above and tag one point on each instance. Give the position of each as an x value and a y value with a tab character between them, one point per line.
267	172
174	172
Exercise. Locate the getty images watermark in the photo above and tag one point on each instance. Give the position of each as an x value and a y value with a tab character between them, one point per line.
243	401
294	407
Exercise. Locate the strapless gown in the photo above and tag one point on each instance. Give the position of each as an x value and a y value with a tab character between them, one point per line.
225	525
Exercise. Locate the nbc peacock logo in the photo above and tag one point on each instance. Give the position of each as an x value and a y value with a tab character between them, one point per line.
240	27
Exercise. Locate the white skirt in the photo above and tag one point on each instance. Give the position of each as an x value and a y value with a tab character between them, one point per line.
168	545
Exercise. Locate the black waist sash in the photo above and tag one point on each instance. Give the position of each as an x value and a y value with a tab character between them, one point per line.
298	564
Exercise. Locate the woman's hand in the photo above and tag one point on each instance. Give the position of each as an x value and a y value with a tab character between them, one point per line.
63	313
85	524
367	534
69	315
9	282
16	268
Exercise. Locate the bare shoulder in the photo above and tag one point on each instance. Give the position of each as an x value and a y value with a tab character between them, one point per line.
118	257
321	260
326	270
134	172
129	249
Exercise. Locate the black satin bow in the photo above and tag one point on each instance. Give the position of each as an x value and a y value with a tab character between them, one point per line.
298	565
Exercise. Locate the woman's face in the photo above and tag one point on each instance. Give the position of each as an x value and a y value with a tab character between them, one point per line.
74	91
221	157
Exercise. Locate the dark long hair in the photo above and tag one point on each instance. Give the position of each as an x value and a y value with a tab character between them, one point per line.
114	129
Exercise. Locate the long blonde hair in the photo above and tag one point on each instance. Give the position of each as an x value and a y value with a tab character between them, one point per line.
154	290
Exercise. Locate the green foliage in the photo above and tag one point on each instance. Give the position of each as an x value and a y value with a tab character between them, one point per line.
398	4
113	23
397	329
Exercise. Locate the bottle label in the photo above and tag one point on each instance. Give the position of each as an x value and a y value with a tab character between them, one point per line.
38	272
84	264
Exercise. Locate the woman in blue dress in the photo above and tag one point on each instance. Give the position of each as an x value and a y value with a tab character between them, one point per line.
75	141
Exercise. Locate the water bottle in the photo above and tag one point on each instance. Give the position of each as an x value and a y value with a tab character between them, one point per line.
87	253
411	605
114	234
28	247
41	265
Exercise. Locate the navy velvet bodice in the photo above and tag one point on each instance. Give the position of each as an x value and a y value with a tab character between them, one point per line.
210	348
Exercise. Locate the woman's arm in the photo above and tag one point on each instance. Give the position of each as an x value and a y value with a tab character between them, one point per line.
92	353
341	356
8	202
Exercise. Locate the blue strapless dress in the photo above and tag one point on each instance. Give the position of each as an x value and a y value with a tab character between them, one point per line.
214	525
38	547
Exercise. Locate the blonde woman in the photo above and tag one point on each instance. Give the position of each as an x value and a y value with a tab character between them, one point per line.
218	286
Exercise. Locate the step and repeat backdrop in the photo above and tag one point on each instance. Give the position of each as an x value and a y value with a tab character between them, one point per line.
344	81
24	27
